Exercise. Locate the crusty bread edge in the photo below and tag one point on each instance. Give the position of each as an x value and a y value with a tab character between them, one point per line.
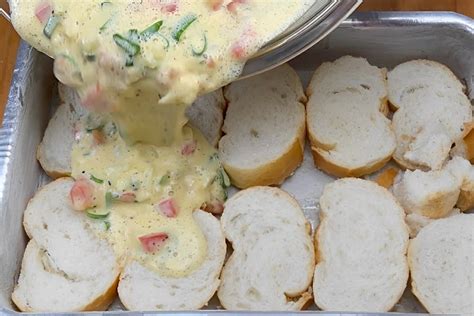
100	303
305	296
413	284
394	107
329	167
51	172
273	172
320	257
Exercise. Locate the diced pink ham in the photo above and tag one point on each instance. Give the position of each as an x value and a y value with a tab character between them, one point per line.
188	148
167	207
153	242
82	194
43	11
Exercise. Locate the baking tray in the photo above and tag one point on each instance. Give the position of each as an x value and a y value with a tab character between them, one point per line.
385	38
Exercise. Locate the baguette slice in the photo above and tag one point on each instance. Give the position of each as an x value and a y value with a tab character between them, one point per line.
433	113
273	260
66	267
349	133
361	244
54	151
142	289
264	127
434	194
441	260
419	74
207	115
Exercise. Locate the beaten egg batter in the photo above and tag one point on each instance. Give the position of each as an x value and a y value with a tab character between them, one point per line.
137	65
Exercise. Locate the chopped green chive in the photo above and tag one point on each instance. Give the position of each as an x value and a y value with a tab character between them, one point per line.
107	225
96	180
108	200
165	179
51	25
203	49
106	25
96	215
128	46
133	36
152	29
182	25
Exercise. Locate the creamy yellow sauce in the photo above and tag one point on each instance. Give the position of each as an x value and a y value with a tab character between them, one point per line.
139	64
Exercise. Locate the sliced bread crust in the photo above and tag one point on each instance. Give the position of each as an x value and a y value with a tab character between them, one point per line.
66	267
272	264
142	289
264	128
419	74
347	127
433	113
54	151
441	260
361	244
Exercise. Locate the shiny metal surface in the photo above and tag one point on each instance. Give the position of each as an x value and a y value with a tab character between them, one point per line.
317	23
386	39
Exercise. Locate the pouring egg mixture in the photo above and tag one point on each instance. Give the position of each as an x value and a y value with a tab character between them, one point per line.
139	168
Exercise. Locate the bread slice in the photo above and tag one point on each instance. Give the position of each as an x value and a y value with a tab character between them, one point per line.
349	133
418	74
441	260
434	194
66	267
361	244
207	115
264	128
54	151
272	265
141	289
434	113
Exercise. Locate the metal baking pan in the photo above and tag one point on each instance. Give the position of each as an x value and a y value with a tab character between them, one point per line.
386	39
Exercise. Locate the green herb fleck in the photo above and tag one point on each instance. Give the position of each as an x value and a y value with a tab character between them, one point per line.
165	179
152	29
182	25
131	48
96	180
107	225
108	200
51	25
96	215
199	53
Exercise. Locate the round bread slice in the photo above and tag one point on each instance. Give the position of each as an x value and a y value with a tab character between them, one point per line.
361	244
427	125
418	74
441	260
54	151
66	267
264	127
143	289
272	265
207	115
349	133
